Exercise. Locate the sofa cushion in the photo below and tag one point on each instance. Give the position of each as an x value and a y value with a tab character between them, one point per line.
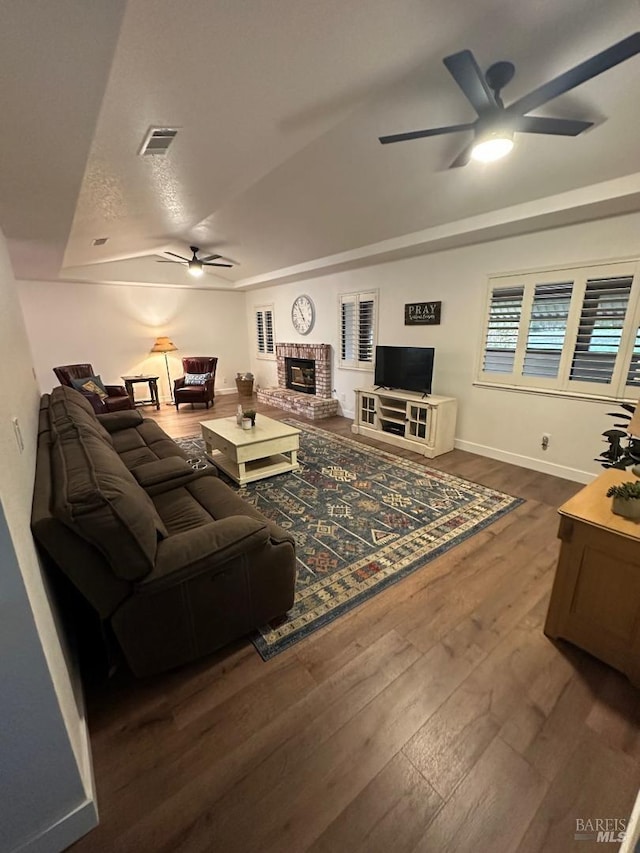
180	511
138	456
206	499
116	421
219	501
144	443
69	409
99	498
158	440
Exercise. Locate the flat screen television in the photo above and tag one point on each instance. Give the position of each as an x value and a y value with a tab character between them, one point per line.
405	368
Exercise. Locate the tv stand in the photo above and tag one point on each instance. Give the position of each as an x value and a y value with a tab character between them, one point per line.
406	419
389	388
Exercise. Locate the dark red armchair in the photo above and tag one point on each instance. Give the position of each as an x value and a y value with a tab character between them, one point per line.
116	400
198	383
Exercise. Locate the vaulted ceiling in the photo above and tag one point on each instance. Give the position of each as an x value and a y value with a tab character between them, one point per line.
279	105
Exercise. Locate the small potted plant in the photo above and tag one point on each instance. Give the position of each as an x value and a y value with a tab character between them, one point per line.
626	499
251	414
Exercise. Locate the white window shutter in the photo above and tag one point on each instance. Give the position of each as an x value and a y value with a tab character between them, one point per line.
357	329
600	330
260	331
366	328
503	325
268	332
547	329
264	331
572	331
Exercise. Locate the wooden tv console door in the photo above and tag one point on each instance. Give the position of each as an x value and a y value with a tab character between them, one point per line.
406	419
595	601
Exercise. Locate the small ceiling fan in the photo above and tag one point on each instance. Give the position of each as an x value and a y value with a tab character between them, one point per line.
495	126
195	264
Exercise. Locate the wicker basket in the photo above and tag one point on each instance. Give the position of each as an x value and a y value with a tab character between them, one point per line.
245	387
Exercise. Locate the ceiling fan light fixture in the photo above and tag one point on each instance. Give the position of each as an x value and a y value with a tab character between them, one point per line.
492	146
195	268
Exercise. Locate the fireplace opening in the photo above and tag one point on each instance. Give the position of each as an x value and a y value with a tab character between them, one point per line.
301	374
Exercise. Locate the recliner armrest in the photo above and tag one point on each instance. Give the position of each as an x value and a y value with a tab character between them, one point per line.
116	390
203	549
115	421
161	471
170	473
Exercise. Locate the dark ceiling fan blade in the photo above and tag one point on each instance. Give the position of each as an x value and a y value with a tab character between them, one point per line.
608	58
168	262
209	264
463	157
210	258
467	74
420	134
177	256
553	126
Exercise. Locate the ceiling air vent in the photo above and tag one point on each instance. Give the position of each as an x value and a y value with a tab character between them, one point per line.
99	241
157	141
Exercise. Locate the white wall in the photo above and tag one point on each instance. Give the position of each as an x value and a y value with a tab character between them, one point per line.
493	422
45	766
114	326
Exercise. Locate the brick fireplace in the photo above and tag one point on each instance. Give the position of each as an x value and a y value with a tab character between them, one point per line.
312	405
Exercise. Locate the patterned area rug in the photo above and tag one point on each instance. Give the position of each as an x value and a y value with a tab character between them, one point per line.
362	519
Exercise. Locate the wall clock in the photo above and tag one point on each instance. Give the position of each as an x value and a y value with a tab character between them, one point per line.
303	314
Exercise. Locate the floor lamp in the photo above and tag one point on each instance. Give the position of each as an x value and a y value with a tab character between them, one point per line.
164	345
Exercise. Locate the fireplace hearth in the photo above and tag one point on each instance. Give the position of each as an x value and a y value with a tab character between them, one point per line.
304	381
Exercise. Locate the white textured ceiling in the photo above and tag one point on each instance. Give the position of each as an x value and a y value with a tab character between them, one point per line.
279	105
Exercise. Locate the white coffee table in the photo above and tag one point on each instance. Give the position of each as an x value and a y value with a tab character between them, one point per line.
246	455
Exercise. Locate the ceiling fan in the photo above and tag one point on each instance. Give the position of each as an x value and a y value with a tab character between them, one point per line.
195	264
495	126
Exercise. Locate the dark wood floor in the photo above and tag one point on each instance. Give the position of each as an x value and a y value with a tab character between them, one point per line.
435	717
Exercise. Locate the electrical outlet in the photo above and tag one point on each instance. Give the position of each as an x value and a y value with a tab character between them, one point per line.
343	398
546	438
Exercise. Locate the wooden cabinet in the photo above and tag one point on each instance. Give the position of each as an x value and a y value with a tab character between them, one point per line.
425	425
595	601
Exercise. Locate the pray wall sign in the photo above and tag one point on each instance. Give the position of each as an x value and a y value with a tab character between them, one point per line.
422	313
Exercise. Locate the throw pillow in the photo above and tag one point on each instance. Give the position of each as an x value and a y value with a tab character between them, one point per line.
196	378
92	384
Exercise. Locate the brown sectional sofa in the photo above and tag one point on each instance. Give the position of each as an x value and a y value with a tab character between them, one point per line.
171	558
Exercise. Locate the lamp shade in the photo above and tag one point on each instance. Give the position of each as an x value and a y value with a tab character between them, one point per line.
163	344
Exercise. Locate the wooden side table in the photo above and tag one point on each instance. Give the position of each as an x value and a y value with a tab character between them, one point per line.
152	382
595	601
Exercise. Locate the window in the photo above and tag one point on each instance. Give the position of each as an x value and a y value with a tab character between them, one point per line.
357	330
264	331
573	331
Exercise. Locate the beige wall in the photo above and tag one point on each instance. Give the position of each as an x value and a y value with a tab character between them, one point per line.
114	326
498	423
45	767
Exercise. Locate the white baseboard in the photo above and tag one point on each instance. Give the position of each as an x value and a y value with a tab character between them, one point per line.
574	474
169	401
632	835
63	832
